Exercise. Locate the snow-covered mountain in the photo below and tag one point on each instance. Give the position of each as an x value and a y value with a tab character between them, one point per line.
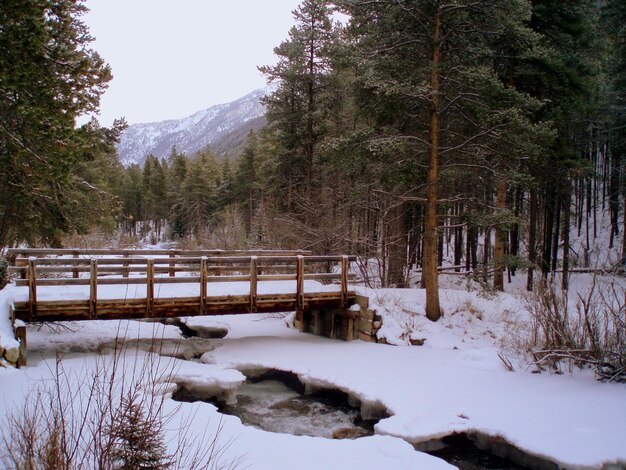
191	133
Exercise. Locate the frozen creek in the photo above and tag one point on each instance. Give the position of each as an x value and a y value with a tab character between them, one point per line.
276	401
280	402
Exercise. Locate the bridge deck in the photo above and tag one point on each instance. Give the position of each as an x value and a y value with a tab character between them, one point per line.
57	287
55	303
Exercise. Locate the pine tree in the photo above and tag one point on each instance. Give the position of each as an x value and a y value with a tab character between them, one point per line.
436	59
136	443
296	109
48	77
176	202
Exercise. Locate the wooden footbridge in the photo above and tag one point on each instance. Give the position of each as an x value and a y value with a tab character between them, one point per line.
70	285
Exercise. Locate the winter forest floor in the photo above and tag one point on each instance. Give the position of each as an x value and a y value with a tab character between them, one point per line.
456	382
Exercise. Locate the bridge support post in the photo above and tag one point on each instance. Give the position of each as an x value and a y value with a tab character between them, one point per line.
204	272
318	322
172	272
254	272
300	294
150	288
344	281
32	288
75	273
93	287
20	335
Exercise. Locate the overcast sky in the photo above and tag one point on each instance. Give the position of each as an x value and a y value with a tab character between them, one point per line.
171	59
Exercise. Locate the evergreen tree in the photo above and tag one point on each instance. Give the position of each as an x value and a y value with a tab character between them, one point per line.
562	76
136	443
247	181
132	197
99	178
435	59
48	77
296	110
199	192
176	202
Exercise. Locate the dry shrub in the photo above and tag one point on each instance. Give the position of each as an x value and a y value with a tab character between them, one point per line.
228	233
110	416
589	332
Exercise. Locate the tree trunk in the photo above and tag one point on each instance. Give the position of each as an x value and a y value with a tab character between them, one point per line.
458	238
430	275
567	202
548	232
515	242
396	244
532	238
500	243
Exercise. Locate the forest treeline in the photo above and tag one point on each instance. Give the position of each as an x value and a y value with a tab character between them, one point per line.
414	133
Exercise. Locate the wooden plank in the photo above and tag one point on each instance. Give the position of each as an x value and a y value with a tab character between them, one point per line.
32	288
93	288
150	288
350	329
277	277
228	278
204	272
318	322
26	252
327	259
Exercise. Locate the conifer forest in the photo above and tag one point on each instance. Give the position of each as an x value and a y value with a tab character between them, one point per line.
477	136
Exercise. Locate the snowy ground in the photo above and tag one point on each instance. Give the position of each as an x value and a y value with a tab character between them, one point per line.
455	382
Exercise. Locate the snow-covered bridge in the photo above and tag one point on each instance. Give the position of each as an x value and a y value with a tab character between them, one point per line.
69	285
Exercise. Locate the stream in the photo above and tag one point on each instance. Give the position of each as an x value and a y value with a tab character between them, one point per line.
275	402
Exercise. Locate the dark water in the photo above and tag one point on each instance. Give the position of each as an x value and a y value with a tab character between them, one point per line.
274	406
462	453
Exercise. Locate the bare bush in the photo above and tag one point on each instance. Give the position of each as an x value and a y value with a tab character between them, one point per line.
589	332
111	416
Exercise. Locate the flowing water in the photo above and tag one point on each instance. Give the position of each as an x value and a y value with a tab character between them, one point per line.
277	405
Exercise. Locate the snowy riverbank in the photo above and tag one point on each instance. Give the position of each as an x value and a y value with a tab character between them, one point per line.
455	382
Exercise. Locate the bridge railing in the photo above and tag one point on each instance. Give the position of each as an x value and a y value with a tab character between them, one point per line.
152	267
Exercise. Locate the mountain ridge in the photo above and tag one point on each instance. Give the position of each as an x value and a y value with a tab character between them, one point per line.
192	133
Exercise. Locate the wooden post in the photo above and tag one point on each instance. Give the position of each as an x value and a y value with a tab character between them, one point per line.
20	335
93	287
150	287
75	273
350	332
32	288
300	283
344	281
253	282
172	272
126	271
332	331
318	319
204	273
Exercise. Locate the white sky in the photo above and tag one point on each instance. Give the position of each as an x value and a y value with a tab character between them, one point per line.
171	59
